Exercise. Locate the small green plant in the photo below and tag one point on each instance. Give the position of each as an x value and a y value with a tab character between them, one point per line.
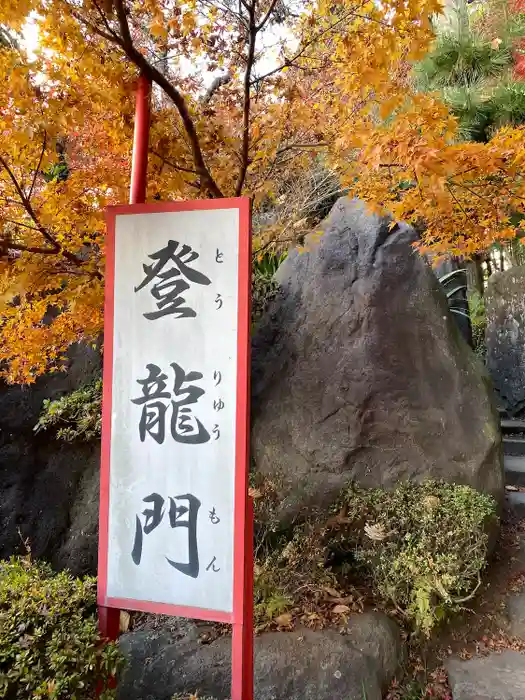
424	545
49	642
478	321
264	286
75	416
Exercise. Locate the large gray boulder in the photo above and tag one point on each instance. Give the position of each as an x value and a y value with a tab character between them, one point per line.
496	677
299	665
505	336
360	374
48	488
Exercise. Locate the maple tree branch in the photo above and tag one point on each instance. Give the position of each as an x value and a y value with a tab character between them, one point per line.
58	249
467	217
267	16
179	168
153	74
27	205
7	244
476	194
20	223
99	32
245	150
236	15
217	82
173	165
38	166
289	61
104	18
301	146
70	202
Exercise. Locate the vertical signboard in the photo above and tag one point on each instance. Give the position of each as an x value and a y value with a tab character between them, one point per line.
175	411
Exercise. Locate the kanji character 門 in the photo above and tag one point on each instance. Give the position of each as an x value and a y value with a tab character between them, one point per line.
154	516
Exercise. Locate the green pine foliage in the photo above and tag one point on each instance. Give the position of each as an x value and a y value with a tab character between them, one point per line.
473	70
462	61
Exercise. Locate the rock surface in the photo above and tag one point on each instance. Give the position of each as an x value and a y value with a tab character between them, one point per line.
516	614
48	488
360	374
505	337
299	665
376	635
496	677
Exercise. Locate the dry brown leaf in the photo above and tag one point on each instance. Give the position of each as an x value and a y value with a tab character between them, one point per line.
340	609
331	592
124	621
342	601
284	620
254	493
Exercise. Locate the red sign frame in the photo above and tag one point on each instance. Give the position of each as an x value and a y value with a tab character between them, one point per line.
242	616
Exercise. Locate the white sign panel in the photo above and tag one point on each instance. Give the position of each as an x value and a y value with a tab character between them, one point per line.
170	440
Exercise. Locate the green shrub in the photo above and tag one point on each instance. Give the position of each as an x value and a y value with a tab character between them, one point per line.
77	415
49	642
421	547
424	545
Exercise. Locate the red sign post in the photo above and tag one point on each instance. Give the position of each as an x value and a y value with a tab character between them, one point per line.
221	422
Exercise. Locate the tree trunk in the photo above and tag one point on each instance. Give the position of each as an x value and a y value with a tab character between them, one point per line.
474	276
516	252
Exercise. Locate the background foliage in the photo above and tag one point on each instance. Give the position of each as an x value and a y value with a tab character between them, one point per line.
248	99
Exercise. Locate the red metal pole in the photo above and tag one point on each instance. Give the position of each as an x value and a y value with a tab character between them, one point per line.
109	618
242	637
139	163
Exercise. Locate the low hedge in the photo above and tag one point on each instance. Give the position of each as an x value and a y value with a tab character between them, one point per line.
49	641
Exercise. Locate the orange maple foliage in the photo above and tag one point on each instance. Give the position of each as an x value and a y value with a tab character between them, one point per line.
294	82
